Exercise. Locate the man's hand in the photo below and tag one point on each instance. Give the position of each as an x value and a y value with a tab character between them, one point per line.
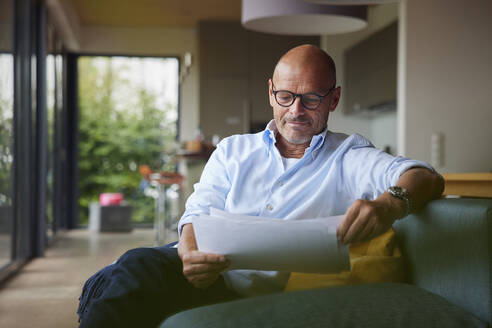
366	219
201	269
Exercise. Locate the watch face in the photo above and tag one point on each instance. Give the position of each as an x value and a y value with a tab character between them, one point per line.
398	191
401	193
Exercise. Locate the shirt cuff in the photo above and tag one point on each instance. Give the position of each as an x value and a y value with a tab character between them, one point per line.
183	221
409	164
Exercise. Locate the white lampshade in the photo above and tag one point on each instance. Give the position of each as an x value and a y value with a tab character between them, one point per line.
350	2
295	17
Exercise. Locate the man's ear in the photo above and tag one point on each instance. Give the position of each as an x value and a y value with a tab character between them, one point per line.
335	98
270	93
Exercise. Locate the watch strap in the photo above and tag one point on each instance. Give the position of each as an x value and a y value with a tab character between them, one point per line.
403	194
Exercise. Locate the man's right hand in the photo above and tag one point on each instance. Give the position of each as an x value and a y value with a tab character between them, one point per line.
201	269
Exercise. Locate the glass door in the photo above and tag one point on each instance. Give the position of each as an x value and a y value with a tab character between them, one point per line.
6	131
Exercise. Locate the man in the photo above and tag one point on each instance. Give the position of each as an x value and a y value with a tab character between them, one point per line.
294	169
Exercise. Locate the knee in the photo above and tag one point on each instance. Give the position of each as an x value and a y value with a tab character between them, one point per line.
134	284
93	289
136	254
149	259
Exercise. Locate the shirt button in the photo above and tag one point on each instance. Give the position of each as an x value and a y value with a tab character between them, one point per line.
280	183
269	207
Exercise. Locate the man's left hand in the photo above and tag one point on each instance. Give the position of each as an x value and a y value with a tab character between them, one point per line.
366	219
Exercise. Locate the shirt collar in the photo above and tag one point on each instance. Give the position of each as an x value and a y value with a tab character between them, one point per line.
271	130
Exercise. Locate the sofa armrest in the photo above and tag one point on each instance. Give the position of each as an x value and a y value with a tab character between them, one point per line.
447	250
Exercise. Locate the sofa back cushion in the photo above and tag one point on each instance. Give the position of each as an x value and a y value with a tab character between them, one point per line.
447	250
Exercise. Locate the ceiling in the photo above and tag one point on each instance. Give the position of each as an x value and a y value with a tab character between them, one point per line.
154	13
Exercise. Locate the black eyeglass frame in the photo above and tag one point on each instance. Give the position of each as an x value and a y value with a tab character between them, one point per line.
301	95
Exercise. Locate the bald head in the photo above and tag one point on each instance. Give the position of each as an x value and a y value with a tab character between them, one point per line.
307	61
304	81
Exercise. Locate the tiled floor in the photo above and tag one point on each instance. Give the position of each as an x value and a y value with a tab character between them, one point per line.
45	293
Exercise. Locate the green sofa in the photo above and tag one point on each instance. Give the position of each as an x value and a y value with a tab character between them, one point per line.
447	251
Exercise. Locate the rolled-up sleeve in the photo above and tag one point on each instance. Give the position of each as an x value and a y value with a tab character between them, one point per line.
370	171
211	190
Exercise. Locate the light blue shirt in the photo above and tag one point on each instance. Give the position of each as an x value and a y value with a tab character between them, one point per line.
246	175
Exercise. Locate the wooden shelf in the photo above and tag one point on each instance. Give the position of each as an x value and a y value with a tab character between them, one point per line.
468	184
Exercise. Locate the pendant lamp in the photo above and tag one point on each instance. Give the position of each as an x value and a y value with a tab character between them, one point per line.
296	17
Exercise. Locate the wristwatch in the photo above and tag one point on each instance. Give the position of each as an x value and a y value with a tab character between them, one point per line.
401	193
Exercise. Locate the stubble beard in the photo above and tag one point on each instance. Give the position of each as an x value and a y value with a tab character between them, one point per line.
289	135
296	141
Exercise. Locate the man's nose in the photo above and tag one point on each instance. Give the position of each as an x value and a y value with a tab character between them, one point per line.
297	108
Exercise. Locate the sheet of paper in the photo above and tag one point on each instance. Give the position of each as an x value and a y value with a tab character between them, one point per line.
273	244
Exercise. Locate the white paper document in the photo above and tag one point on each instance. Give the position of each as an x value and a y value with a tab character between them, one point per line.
258	243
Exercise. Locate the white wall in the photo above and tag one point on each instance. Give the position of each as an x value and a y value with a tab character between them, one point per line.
154	42
448	81
383	131
378	17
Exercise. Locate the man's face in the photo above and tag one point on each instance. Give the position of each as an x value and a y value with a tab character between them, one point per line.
295	123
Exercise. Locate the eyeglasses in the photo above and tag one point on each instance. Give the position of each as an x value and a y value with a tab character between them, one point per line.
309	100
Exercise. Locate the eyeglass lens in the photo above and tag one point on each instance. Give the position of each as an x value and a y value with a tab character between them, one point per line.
310	101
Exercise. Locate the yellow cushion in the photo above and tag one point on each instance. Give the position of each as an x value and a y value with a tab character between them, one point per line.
377	260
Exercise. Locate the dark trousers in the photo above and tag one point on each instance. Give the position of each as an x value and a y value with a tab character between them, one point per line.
145	286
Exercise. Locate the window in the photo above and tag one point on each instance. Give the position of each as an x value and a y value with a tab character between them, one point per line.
128	112
6	132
